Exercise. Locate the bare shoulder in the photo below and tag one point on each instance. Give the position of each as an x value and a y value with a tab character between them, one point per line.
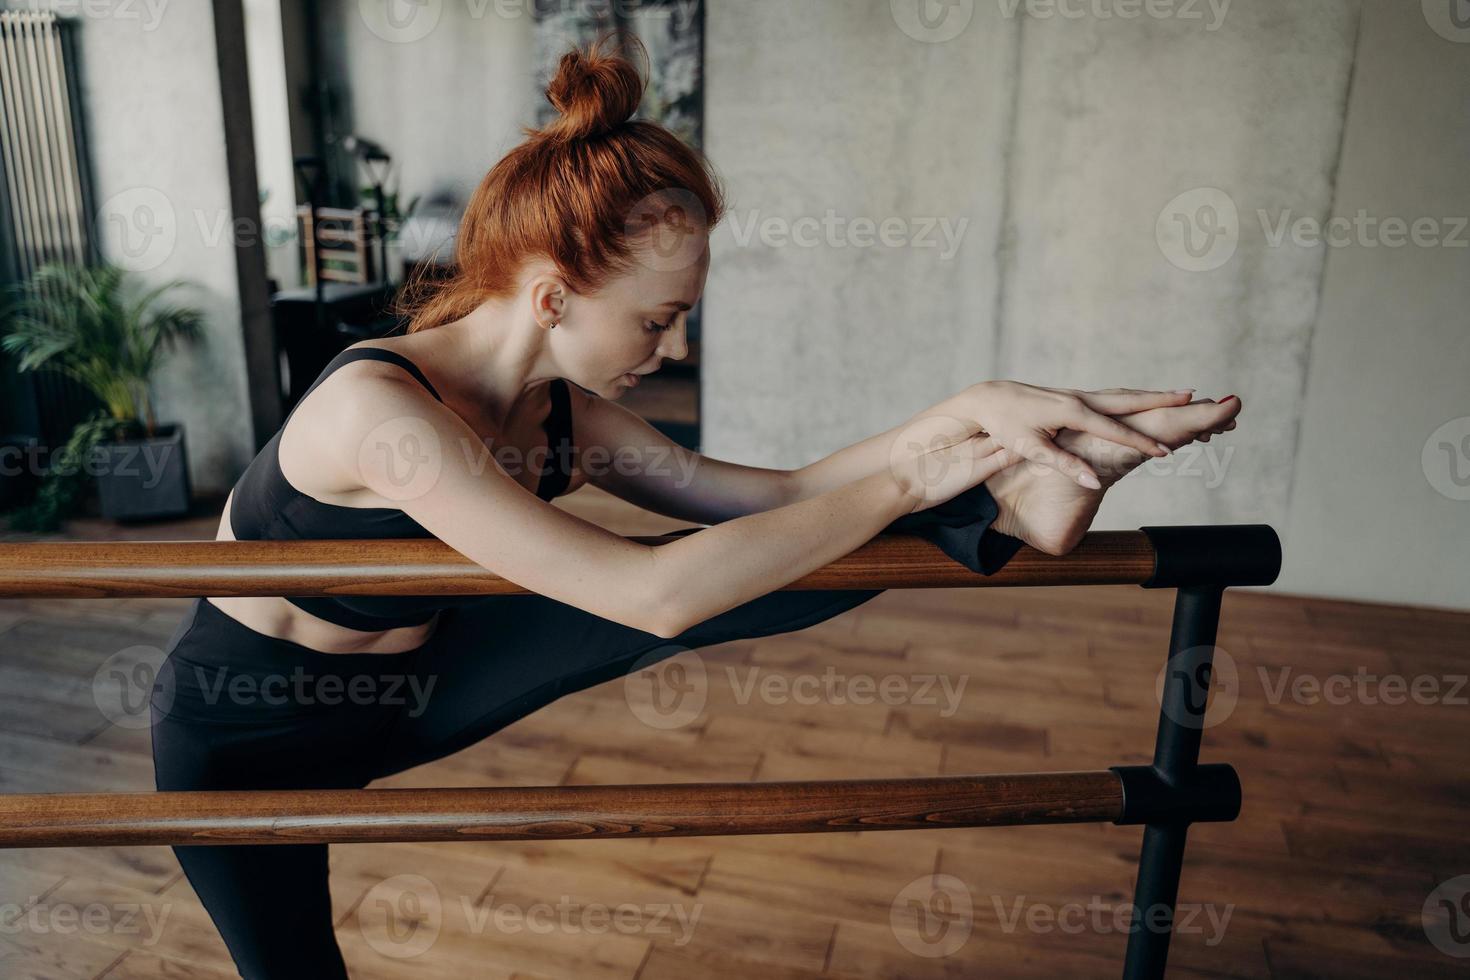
320	443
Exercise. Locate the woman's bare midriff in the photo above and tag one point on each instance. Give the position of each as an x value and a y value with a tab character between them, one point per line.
274	616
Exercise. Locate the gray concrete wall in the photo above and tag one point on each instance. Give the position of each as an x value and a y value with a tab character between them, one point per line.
1113	172
1380	501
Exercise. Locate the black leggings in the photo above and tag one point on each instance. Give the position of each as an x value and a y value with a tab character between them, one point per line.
235	709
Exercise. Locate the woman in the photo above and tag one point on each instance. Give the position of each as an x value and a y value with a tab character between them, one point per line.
580	257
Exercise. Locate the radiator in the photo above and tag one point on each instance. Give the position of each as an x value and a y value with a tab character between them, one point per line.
44	196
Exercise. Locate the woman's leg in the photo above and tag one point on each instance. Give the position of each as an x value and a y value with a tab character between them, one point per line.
233	710
497	661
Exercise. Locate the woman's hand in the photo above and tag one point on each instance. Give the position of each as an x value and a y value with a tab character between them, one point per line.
1024	419
932	468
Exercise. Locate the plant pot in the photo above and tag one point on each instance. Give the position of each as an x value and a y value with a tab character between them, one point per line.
144	478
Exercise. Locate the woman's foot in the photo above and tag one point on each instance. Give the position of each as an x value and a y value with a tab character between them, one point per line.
1050	511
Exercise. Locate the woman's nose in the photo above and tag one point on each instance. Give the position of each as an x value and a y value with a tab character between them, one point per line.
674	345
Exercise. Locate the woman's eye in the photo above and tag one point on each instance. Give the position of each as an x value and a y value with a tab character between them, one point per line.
659	327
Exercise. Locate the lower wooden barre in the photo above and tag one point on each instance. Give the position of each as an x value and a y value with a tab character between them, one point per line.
556	812
427	566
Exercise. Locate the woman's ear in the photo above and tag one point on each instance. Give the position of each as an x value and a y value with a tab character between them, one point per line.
548	300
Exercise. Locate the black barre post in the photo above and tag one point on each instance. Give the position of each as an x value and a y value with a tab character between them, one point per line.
1199	562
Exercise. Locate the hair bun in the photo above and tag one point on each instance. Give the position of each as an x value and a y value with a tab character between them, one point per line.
594	91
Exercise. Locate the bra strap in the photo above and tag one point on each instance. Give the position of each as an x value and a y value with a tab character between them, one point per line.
558	425
382	354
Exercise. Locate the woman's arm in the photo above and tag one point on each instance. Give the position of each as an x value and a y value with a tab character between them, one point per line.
623	454
402	449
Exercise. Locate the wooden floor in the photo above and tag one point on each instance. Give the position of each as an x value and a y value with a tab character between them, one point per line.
1354	812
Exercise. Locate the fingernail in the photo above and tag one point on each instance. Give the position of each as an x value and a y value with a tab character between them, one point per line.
1165	448
1183	391
1089	481
1227	398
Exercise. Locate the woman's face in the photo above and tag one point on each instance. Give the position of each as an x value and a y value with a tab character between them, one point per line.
637	320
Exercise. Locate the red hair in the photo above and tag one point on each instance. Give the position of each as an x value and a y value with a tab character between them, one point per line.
575	192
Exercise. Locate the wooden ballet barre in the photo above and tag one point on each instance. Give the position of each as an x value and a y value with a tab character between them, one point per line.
427	566
556	812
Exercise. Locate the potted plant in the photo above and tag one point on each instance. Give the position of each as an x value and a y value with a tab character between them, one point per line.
90	324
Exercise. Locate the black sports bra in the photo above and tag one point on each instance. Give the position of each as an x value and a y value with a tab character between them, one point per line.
268	508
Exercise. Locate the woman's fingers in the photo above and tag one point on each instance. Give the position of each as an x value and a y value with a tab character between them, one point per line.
1040	449
1115	431
1121	401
